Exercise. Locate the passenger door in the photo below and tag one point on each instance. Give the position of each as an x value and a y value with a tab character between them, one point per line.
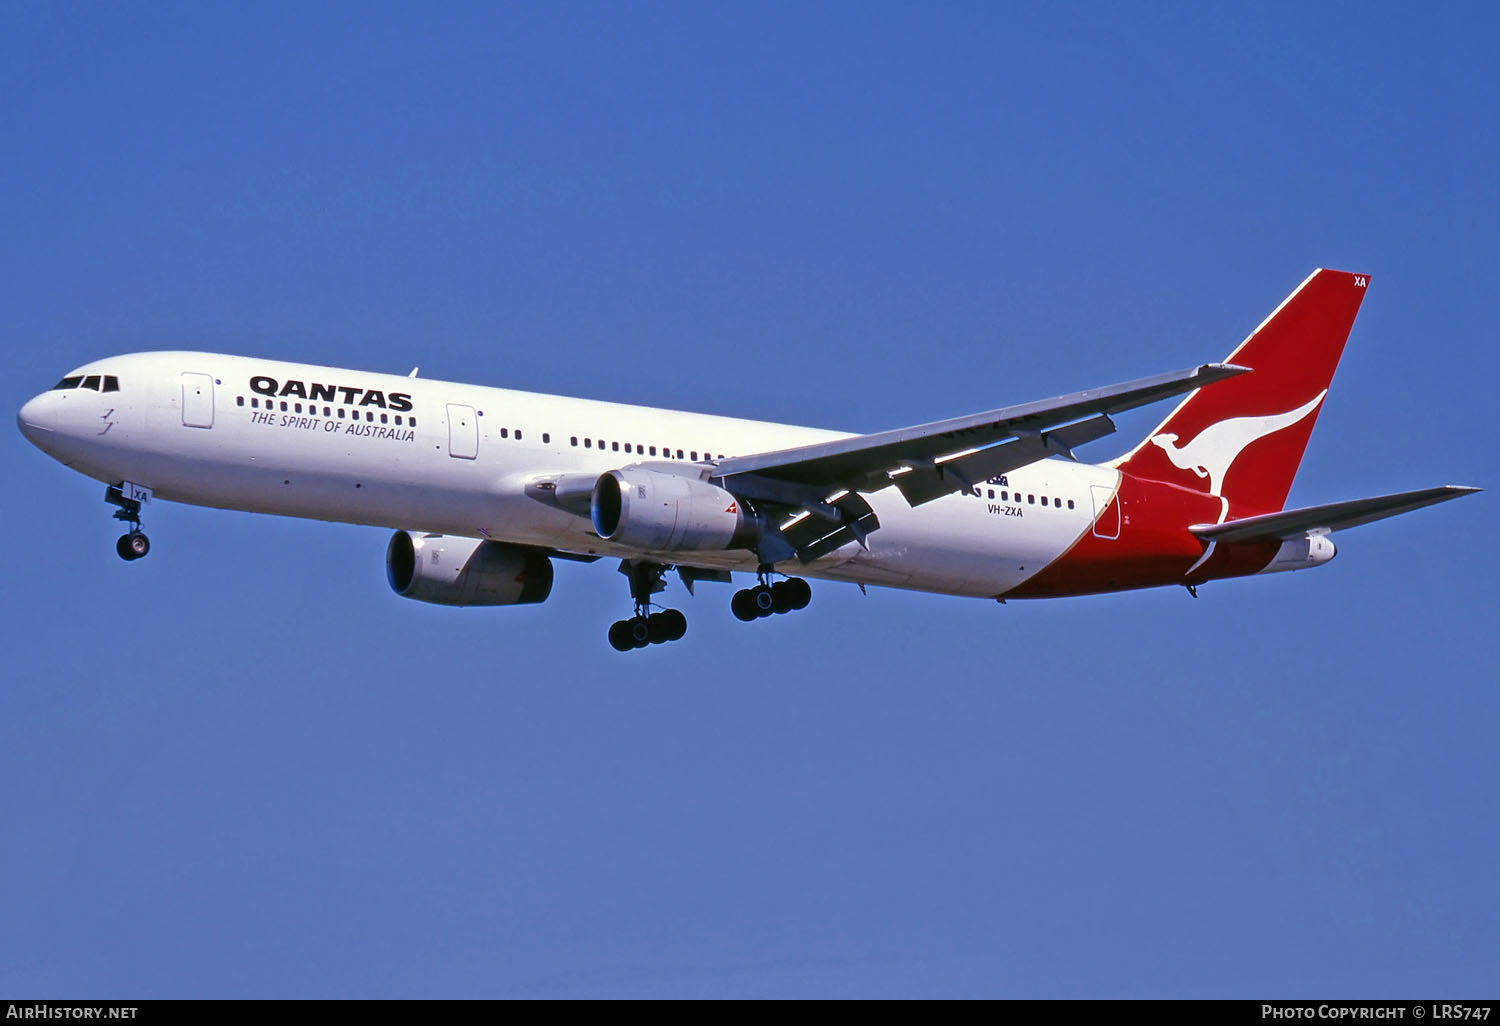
1106	511
197	400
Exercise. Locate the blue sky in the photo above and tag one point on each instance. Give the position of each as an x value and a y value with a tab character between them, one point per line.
243	767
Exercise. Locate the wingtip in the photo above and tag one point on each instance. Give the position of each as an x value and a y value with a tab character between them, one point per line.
1220	371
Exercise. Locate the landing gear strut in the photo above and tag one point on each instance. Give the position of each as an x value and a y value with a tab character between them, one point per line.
767	598
645	627
133	544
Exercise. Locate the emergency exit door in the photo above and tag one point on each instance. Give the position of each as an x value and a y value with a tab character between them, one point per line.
463	432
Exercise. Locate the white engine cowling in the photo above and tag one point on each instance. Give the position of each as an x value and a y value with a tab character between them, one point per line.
1301	553
647	509
465	571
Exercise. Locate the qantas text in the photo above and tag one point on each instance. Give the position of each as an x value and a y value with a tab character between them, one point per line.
398	401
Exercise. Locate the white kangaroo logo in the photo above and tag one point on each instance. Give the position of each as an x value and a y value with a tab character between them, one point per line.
1217	446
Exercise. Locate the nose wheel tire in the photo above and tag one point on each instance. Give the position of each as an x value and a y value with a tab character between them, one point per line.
133	546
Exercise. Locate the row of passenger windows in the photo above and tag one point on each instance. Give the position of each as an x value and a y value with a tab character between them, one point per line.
642	450
630	448
97	382
328	411
111	384
508	433
505	432
516	434
1031	500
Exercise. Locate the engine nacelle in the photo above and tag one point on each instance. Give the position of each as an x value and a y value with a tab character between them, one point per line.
1301	553
647	509
465	571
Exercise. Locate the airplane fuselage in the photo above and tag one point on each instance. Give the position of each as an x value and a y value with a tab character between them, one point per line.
456	459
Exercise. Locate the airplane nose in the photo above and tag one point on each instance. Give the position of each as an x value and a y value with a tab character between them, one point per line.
36	418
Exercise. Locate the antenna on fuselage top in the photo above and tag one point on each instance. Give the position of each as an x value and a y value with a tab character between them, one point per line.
414	372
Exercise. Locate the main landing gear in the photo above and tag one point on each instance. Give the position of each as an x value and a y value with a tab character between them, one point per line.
645	627
765	598
133	544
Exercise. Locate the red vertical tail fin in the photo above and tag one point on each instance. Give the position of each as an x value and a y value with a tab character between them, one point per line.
1242	439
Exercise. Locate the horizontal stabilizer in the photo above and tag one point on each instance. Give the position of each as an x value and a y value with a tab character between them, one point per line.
1332	517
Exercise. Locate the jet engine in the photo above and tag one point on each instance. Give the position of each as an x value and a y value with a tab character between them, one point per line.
647	509
465	571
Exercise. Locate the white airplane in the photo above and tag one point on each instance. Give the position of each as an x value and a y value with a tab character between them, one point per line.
486	486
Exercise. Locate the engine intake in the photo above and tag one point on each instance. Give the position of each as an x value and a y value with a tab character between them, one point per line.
647	509
465	571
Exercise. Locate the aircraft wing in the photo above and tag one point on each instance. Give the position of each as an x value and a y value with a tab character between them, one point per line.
1334	516
820	484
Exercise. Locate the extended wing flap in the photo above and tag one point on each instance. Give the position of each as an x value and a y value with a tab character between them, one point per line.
849	518
927	484
1334	516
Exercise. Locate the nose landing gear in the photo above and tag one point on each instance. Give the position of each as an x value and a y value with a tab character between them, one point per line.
133	544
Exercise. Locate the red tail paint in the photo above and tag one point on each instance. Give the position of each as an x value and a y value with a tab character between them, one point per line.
1241	440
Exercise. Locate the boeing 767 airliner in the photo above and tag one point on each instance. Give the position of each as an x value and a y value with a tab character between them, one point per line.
485	487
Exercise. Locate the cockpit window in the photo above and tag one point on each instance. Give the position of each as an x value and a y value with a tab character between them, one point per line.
97	382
